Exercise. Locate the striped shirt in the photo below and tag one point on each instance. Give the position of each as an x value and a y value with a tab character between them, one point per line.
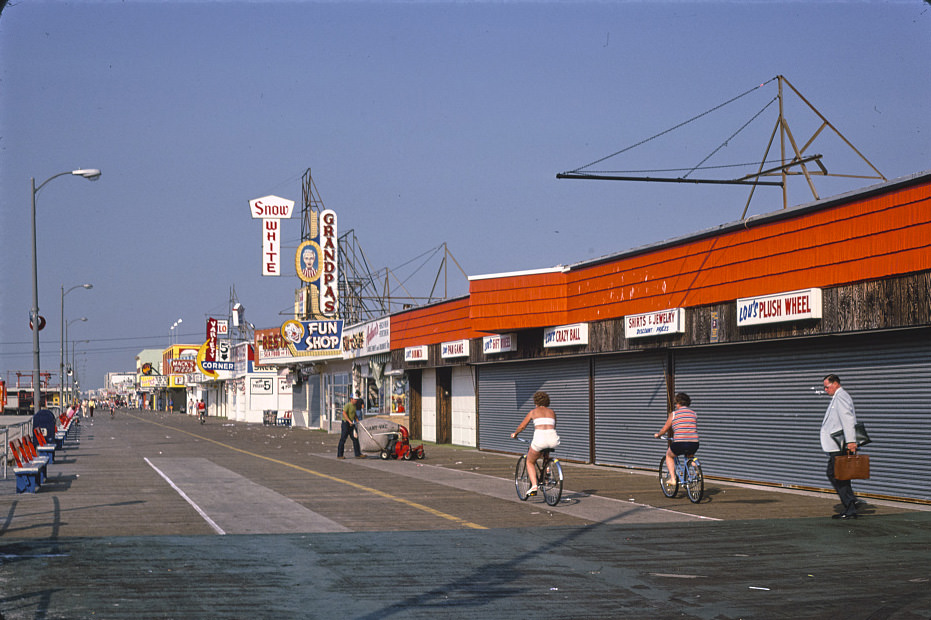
684	425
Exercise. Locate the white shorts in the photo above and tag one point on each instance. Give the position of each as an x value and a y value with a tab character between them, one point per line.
544	438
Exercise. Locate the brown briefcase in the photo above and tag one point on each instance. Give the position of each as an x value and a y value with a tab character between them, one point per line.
851	466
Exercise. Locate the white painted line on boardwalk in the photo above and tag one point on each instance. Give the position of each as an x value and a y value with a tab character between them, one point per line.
585	506
203	514
237	504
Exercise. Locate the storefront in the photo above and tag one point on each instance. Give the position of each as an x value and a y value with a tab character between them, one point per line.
253	389
747	318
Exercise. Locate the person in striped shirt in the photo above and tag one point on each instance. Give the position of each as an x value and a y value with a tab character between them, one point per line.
683	422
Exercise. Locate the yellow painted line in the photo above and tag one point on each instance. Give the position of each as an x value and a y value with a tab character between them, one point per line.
355	485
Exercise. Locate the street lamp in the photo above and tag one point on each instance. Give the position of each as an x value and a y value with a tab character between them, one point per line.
176	324
67	327
61	362
75	383
88	173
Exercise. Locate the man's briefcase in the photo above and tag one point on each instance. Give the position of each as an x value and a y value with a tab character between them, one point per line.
851	466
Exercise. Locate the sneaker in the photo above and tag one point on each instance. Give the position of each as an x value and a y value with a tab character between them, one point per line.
341	457
532	491
361	456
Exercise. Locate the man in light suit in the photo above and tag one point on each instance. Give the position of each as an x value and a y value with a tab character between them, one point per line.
839	416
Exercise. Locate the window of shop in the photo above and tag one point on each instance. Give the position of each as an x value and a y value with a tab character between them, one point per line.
336	388
400	393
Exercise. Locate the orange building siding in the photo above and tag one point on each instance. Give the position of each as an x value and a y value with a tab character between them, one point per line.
442	322
865	239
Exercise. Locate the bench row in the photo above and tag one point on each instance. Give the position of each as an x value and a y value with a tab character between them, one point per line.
32	457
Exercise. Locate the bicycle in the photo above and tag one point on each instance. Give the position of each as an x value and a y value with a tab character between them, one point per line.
549	477
688	475
203	417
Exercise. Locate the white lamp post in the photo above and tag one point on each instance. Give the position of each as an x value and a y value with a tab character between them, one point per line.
91	174
83	319
61	363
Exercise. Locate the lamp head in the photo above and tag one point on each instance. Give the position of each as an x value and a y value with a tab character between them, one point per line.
87	285
88	173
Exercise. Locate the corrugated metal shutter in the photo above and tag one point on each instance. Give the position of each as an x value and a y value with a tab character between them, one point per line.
506	395
760	407
630	405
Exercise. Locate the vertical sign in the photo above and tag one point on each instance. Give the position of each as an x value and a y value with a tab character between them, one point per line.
329	264
210	355
271	209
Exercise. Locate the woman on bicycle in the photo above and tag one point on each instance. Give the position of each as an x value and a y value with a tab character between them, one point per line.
544	434
684	424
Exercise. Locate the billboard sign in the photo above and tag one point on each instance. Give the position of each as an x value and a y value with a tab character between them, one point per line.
779	308
271	210
313	338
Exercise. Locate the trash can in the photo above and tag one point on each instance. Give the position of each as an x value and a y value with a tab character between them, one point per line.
45	421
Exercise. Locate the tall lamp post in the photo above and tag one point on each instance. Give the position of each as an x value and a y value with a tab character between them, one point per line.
67	327
75	382
171	332
89	173
61	363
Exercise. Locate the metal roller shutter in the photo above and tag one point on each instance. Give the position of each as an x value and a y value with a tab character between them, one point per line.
506	395
630	405
760	407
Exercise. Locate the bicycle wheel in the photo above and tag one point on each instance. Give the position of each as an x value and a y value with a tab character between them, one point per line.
521	479
551	483
695	481
669	490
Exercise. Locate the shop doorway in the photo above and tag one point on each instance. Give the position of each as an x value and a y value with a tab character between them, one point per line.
444	404
414	407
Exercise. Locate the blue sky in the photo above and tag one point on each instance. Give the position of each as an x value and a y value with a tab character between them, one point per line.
422	123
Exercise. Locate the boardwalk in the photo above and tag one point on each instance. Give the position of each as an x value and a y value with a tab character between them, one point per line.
155	516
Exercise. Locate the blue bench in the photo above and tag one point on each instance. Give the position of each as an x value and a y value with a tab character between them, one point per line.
30	472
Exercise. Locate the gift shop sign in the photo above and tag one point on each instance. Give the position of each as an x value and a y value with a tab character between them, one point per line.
271	210
779	308
566	335
457	348
499	343
655	323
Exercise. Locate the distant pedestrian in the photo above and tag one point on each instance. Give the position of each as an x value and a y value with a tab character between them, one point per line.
839	416
350	417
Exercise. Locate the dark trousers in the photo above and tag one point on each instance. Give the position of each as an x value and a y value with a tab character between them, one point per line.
843	488
347	432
